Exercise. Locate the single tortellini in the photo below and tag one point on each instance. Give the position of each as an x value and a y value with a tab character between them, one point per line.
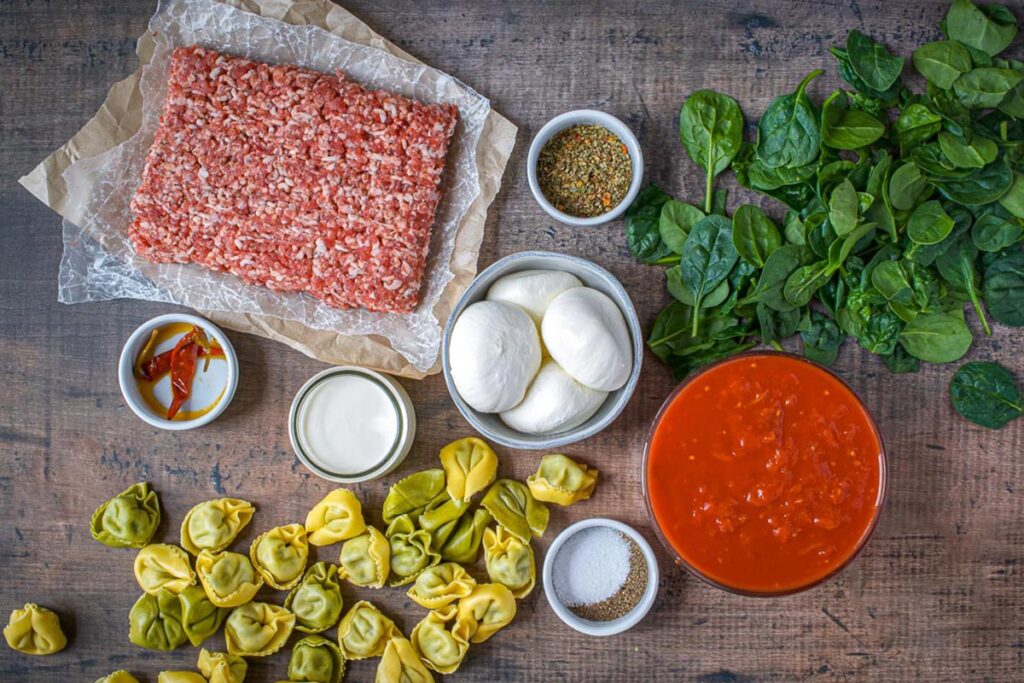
199	616
365	631
513	507
160	565
561	480
179	677
34	630
228	578
366	559
509	561
280	555
316	660
339	516
154	622
213	524
400	663
484	612
470	465
448	511
222	667
410	551
129	519
119	676
438	647
463	545
316	601
441	585
258	629
414	494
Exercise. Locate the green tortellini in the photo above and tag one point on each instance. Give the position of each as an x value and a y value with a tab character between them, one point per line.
229	578
119	676
470	465
129	519
199	616
34	630
154	622
509	561
410	551
316	601
414	495
339	516
441	585
160	565
484	612
561	480
316	660
463	545
280	555
366	559
179	677
440	649
222	667
365	631
513	507
213	524
400	663
258	629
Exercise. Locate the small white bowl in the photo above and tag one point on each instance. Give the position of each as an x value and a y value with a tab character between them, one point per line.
601	628
575	118
592	275
130	387
403	409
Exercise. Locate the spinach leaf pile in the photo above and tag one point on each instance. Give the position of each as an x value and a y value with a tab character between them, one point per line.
904	209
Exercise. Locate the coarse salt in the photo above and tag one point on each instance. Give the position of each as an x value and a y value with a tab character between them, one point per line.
591	566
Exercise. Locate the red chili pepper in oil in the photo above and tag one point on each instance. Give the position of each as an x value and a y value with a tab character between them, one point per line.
183	369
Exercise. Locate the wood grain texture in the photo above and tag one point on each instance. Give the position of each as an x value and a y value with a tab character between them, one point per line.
937	595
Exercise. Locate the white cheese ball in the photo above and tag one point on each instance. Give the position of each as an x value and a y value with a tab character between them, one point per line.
533	290
495	353
584	331
555	402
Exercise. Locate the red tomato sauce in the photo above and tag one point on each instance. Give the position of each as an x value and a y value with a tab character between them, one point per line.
764	473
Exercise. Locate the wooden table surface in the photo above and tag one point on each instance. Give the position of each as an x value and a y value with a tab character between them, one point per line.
938	594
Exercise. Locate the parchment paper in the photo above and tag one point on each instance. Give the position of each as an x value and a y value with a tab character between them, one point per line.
453	262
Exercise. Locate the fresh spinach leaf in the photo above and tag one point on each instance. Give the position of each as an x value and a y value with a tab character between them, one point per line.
711	130
777	268
986	393
675	222
899	361
993	233
915	124
1013	200
872	62
822	339
962	154
683	295
942	62
844	208
937	337
906	186
882	333
1003	289
708	256
804	282
981	186
754	235
986	28
787	135
929	224
985	87
956	266
643	236
775	325
845	128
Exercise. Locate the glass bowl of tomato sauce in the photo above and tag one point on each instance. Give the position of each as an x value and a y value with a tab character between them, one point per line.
764	474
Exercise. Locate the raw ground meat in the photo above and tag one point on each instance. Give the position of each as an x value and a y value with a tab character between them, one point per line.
293	179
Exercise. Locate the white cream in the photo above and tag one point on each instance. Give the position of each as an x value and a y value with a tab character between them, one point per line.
347	424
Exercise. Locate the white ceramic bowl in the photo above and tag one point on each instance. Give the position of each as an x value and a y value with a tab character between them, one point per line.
575	118
601	628
403	442
130	388
592	275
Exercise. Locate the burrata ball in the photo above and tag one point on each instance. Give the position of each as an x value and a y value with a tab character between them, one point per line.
555	402
584	331
494	354
532	290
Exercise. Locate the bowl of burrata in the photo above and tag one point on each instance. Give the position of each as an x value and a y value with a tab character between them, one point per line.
542	350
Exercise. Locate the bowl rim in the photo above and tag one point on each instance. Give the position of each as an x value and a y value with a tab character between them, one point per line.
614	626
588	428
883	480
126	376
577	117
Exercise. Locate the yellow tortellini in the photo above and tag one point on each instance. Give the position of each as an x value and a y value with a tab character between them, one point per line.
316	660
440	649
366	559
413	495
119	676
365	631
410	551
228	578
34	630
316	601
213	524
163	566
470	465
339	516
179	677
129	519
200	618
509	561
154	622
222	667
561	480
484	612
463	545
441	585
258	629
400	663
513	507
280	555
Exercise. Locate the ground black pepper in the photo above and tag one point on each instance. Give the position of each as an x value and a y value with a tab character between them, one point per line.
627	597
585	170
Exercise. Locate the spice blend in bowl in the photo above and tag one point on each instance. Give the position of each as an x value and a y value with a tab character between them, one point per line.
585	170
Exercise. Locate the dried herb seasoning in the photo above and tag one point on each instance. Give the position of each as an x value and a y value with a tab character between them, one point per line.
585	170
